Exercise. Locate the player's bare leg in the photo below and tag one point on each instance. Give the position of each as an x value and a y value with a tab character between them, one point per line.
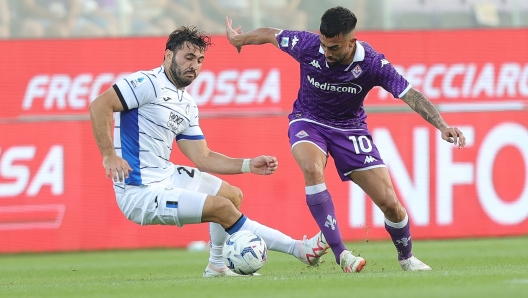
222	211
312	162
216	266
378	186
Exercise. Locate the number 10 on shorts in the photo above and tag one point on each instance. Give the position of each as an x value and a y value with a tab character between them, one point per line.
361	144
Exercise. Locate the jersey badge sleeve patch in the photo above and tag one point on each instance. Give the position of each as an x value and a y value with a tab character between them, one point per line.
285	41
136	82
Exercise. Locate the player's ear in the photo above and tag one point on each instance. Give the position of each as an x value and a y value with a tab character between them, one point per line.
168	54
353	42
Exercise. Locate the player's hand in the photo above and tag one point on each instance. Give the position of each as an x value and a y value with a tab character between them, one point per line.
453	135
116	167
232	33
264	165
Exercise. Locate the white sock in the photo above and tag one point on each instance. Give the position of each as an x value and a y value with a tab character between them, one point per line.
275	240
218	238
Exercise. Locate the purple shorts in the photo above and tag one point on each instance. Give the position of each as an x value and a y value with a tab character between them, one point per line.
352	149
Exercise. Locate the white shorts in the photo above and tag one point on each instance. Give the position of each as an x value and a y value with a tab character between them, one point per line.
178	200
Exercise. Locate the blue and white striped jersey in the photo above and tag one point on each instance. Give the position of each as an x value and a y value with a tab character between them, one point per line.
155	113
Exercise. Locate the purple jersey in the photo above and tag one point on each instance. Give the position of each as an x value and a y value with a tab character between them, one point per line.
334	95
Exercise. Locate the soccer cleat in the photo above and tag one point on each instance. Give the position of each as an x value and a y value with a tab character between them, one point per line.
413	264
350	263
222	272
312	249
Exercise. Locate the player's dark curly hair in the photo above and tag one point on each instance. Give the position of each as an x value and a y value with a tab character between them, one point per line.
197	38
337	20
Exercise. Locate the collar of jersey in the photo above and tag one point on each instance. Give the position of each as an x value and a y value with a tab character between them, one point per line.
360	52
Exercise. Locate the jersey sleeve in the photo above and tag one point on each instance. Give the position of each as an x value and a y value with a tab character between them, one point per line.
293	42
386	76
136	90
193	132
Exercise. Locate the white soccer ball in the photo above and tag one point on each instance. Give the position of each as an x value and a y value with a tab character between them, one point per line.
244	252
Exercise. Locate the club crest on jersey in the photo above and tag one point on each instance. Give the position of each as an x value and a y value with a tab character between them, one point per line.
137	82
301	134
285	41
356	71
187	110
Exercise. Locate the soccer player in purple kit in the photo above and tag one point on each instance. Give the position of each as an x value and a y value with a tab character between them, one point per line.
337	72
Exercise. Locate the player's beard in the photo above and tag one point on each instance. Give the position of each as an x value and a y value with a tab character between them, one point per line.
334	63
337	61
177	73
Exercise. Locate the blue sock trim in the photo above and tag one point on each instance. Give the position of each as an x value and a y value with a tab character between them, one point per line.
237	225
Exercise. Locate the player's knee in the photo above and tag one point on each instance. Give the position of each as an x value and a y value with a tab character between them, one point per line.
234	195
312	170
390	207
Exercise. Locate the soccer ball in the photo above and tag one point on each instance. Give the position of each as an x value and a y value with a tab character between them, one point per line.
244	252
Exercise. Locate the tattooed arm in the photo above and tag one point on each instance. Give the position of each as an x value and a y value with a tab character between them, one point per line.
421	105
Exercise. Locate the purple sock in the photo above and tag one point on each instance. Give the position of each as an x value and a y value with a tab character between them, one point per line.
322	209
401	237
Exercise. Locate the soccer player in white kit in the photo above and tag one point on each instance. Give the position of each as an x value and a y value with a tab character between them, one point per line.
152	109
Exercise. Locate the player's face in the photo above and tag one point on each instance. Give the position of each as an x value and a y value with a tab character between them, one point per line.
185	65
338	49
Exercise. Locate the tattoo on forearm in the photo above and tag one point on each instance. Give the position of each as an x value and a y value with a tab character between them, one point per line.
419	103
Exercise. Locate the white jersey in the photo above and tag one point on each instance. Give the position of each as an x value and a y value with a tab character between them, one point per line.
156	113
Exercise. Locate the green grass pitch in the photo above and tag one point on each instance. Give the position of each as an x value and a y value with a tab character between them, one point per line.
461	268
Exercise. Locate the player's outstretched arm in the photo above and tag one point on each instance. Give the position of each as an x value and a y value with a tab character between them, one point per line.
213	162
258	36
101	110
423	106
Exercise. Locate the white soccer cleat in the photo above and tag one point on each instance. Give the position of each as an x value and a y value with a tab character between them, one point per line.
350	263
413	264
222	272
313	249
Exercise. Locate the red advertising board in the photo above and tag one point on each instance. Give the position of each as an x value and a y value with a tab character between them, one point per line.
61	77
54	195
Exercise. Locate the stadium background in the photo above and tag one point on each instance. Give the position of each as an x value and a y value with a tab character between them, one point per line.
468	57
